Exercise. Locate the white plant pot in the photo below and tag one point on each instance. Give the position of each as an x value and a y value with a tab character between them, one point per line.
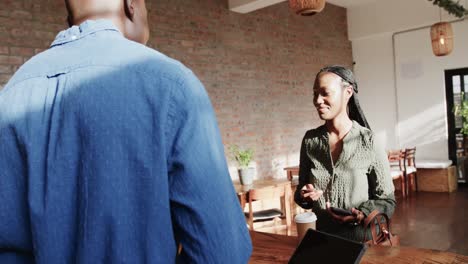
246	176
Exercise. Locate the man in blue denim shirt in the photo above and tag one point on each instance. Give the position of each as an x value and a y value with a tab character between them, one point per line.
110	153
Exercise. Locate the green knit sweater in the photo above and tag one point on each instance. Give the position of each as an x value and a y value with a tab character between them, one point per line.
360	178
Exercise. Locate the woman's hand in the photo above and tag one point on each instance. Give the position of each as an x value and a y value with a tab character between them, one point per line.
309	192
355	219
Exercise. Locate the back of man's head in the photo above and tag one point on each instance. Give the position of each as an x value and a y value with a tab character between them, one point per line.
79	10
130	16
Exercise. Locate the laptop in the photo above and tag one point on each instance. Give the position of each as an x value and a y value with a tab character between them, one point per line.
321	247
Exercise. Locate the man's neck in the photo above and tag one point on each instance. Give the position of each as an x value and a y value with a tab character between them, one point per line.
116	20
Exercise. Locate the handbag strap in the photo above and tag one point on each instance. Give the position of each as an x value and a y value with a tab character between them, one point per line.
370	220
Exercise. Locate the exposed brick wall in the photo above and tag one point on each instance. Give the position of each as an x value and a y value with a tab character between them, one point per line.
27	27
258	68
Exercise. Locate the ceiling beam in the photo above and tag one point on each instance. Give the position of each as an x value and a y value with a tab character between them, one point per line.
246	6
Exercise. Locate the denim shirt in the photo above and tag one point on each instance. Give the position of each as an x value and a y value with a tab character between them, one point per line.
110	153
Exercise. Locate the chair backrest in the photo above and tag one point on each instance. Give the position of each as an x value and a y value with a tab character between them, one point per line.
410	157
397	156
269	193
282	191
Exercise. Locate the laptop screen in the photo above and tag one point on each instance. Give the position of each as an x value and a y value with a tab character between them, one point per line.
320	247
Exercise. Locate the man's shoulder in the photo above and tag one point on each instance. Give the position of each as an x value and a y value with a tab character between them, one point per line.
125	54
145	59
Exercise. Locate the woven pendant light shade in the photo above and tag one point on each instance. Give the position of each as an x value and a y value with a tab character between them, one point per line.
307	7
442	38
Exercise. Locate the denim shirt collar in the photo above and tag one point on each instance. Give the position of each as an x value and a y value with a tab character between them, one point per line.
88	27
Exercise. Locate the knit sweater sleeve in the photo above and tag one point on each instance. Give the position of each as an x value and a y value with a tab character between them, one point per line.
304	175
381	189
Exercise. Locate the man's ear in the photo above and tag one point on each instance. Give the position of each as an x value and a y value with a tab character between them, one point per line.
129	6
69	21
70	13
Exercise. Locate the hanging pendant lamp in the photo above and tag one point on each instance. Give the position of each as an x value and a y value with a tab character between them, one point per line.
441	37
307	7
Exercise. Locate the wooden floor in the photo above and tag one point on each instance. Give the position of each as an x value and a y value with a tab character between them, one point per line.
434	220
425	220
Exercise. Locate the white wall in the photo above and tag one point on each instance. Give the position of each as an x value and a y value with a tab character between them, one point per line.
421	89
391	16
374	73
413	114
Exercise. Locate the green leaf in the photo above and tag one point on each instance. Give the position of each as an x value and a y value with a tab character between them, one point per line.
243	157
453	8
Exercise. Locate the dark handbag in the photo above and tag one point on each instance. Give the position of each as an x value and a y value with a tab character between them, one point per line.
379	223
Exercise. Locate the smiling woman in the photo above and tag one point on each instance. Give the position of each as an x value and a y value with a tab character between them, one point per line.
341	168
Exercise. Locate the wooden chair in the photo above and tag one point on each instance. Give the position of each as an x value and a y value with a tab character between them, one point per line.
291	172
397	170
270	193
410	170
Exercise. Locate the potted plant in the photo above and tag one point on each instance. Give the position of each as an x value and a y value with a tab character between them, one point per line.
462	111
243	158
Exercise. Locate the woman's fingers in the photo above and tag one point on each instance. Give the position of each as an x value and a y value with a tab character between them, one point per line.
316	195
312	194
358	214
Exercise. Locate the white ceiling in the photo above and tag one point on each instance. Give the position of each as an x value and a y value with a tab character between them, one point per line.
246	6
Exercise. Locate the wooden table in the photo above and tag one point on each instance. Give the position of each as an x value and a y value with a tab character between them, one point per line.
272	248
291	171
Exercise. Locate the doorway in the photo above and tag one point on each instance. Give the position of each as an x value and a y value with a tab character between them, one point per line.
456	82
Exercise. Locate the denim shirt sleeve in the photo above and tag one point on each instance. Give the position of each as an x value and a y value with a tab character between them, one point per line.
15	236
207	217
